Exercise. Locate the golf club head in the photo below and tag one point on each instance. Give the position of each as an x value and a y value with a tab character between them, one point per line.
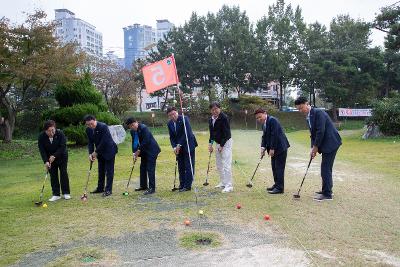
126	193
249	185
296	196
39	203
206	183
174	189
84	197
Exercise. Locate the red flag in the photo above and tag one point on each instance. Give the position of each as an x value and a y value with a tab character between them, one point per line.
160	74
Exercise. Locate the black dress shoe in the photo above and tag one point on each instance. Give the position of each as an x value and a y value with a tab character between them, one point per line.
270	188
149	191
97	191
276	191
185	189
140	188
107	193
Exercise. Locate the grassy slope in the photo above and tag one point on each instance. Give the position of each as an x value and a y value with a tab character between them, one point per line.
364	213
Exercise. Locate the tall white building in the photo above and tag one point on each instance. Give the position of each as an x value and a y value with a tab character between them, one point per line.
70	29
163	27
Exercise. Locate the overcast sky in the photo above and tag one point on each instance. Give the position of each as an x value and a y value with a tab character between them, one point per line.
110	17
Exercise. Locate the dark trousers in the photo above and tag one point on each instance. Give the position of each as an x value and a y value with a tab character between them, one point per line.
185	172
64	181
278	163
326	172
148	170
106	168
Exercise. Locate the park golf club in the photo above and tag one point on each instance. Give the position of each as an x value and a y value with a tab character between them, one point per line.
297	196
126	193
208	170
84	196
250	183
176	164
40	202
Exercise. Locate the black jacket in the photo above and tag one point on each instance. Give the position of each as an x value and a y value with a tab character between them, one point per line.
323	133
274	136
221	131
179	137
148	146
102	139
57	149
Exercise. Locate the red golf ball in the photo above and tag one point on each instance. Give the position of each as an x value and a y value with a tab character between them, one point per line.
238	206
266	217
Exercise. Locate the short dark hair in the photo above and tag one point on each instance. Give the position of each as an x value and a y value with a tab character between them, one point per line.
48	124
89	117
301	100
130	120
214	104
259	110
169	109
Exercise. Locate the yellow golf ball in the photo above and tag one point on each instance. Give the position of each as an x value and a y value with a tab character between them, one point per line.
44	205
201	212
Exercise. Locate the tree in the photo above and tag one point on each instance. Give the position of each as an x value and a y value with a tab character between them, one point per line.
341	65
116	84
278	36
388	21
31	62
314	40
235	48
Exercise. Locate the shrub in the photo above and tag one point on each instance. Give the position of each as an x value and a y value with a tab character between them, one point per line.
73	115
108	118
76	134
81	91
386	114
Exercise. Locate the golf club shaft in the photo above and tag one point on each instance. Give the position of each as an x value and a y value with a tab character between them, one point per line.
130	175
208	168
87	180
309	163
44	182
256	168
176	164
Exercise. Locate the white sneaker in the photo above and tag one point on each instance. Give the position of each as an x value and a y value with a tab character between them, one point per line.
54	198
227	189
220	185
67	196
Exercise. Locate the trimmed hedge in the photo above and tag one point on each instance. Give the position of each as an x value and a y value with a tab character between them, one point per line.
76	133
73	115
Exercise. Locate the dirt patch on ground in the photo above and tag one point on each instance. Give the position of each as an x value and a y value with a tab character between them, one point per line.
240	246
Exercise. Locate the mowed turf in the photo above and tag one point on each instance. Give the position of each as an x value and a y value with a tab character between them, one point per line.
360	222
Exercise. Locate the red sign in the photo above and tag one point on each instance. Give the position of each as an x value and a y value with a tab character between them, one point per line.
160	74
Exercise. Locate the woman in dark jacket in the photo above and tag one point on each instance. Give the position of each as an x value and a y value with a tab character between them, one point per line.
53	150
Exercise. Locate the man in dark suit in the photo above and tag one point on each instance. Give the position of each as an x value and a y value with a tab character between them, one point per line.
220	133
101	146
274	141
53	150
145	146
178	141
325	139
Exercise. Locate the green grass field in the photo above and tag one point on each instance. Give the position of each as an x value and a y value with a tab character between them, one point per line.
360	227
